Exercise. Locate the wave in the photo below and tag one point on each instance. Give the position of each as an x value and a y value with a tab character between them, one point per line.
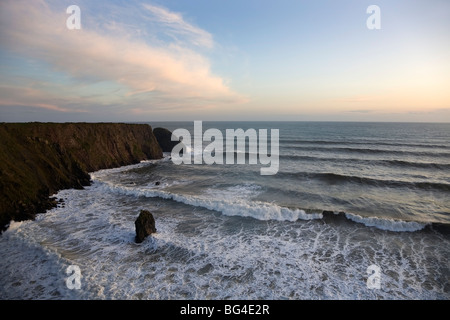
350	142
230	206
383	162
338	178
370	151
236	201
387	224
259	210
379	223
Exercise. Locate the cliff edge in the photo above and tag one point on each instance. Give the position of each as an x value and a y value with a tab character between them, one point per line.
39	159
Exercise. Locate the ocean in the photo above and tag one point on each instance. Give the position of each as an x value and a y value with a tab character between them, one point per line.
355	211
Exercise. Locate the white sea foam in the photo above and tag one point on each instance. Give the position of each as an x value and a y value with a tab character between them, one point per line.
199	255
196	255
102	173
233	201
236	201
230	203
14	225
387	224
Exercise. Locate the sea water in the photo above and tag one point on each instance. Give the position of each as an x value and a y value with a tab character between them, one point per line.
346	197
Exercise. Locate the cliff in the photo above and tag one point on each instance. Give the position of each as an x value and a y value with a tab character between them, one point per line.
164	138
38	159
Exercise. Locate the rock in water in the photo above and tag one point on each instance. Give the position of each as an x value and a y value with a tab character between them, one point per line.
164	138
145	225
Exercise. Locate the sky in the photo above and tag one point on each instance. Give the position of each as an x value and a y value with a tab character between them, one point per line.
212	60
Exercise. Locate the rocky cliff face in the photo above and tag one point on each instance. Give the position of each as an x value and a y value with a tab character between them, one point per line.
38	159
164	138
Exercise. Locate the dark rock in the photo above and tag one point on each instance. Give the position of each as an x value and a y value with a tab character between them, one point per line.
39	159
145	225
334	217
53	202
164	138
157	183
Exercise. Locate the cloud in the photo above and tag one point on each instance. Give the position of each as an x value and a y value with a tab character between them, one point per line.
28	97
176	26
147	71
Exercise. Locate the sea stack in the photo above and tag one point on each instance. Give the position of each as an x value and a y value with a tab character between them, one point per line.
164	138
145	225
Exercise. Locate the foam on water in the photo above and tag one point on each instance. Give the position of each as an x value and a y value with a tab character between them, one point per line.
199	255
216	242
105	172
14	225
237	201
387	224
230	206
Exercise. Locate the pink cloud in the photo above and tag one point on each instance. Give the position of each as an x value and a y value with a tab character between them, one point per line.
28	97
170	71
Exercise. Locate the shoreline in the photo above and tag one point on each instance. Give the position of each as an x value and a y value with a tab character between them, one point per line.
63	156
39	159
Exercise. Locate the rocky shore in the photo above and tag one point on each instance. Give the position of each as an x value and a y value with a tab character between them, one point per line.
39	159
